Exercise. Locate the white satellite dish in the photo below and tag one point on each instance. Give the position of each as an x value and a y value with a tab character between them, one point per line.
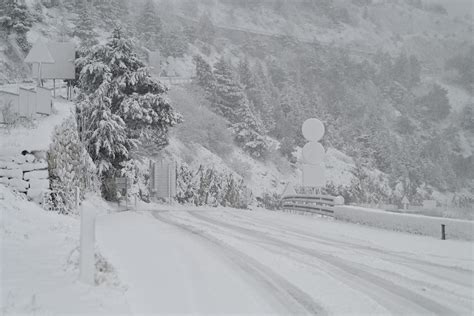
313	153
313	130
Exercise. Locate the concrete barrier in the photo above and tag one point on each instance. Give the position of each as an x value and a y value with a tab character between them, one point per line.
410	223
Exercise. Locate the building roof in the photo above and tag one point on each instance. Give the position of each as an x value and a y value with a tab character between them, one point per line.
63	55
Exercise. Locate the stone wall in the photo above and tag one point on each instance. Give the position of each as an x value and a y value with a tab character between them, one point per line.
27	174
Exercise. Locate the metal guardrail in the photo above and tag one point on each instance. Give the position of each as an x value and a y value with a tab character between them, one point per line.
317	204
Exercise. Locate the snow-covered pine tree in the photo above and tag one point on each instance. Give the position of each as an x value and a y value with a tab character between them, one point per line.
70	166
84	29
16	19
261	96
245	75
249	131
120	103
229	95
149	26
185	185
230	101
204	76
173	42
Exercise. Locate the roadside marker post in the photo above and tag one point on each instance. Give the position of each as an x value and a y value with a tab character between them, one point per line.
87	246
443	232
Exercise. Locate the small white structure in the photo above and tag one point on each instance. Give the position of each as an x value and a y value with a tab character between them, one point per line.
26	103
163	179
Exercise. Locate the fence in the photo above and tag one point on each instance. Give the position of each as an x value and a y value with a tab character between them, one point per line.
175	80
25	103
317	204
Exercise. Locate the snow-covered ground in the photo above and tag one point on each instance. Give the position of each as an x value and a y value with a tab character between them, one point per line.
36	137
169	260
39	265
231	261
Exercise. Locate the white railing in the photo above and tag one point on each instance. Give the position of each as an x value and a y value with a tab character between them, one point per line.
318	204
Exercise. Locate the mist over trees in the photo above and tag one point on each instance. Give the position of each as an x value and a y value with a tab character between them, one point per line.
377	105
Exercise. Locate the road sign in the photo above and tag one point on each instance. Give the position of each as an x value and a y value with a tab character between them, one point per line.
314	175
313	130
163	179
313	153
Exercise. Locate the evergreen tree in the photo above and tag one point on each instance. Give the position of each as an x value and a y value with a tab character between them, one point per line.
84	25
249	132
149	26
204	76
173	43
70	166
245	75
16	19
229	95
121	104
435	105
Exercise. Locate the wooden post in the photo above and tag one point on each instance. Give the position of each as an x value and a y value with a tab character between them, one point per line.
443	232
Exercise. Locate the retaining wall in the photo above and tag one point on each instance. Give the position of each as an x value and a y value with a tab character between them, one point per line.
26	174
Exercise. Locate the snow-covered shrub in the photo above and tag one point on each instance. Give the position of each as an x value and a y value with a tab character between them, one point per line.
138	173
270	201
70	166
207	186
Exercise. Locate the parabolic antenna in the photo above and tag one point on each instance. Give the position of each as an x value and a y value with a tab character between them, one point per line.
313	130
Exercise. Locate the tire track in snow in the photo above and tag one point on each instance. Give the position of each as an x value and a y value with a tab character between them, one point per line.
425	303
463	277
289	295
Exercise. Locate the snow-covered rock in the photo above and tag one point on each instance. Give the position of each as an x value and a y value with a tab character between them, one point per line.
18	184
7	165
11	173
35	195
34	166
36	174
39	184
29	158
19	159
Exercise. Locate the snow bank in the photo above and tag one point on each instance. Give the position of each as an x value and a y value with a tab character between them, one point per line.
39	265
415	224
37	138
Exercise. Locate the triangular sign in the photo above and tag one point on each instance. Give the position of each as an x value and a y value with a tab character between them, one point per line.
39	53
289	190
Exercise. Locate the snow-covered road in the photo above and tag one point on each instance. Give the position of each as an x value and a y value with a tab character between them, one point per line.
226	261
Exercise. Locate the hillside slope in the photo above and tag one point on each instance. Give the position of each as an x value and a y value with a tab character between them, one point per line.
365	67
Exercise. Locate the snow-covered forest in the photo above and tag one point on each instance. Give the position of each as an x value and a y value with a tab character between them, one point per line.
402	115
220	89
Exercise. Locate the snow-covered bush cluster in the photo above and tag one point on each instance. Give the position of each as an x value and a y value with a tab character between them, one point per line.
70	167
207	186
